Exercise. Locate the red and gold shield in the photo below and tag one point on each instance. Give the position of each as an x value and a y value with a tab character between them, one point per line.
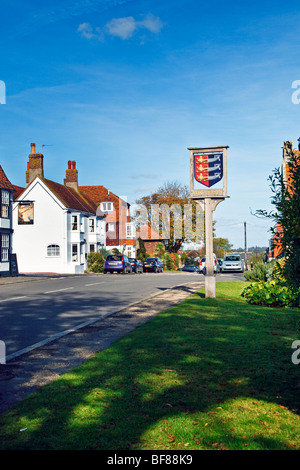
208	168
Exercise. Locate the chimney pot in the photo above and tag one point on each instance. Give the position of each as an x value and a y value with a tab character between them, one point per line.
35	166
71	179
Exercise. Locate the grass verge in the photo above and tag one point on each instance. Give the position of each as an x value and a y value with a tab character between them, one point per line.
206	374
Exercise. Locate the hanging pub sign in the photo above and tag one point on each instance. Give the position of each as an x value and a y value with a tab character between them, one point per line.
25	213
208	172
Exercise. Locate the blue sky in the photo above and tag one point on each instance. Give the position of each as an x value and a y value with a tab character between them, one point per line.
124	87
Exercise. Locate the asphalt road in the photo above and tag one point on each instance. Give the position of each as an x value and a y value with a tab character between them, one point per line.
32	312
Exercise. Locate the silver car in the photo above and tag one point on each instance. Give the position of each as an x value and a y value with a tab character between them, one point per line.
232	263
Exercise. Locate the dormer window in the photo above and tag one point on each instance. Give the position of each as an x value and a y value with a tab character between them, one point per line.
107	206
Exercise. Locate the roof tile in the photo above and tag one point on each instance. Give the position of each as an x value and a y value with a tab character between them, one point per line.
4	181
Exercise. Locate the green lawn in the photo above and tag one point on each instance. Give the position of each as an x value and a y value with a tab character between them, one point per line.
206	374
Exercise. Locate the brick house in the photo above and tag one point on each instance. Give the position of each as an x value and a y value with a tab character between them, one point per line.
275	247
120	231
150	238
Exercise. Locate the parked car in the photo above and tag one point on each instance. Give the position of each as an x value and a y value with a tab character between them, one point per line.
233	263
117	263
153	264
203	265
220	261
136	265
190	268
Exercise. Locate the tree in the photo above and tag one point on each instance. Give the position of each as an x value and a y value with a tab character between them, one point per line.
169	262
141	252
172	214
159	250
285	186
184	258
221	247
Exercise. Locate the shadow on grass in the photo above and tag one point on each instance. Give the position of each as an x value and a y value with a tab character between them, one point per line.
187	361
201	294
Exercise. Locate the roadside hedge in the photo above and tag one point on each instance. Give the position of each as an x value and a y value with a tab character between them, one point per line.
271	294
95	262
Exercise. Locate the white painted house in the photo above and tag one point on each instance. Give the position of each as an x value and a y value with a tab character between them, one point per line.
55	225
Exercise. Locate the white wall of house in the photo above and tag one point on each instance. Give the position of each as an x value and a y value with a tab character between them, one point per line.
30	242
50	244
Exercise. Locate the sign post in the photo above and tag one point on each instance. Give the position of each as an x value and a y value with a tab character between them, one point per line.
208	186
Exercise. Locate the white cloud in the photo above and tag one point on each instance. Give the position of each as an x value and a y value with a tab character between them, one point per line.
88	32
123	28
152	23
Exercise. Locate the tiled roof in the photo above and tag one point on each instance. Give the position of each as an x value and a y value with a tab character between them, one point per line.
71	198
98	194
17	191
4	181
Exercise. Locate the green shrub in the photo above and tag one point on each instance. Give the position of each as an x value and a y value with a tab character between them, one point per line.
259	272
277	270
169	262
141	252
95	262
271	294
159	250
176	260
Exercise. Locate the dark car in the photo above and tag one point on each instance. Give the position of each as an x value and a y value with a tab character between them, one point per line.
190	268
117	263
137	266
153	264
220	261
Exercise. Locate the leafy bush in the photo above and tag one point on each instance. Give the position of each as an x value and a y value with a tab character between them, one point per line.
277	270
272	294
159	250
259	272
95	262
104	252
176	260
169	262
286	214
141	252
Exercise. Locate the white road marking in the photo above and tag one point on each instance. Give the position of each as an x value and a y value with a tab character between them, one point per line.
94	284
14	298
58	290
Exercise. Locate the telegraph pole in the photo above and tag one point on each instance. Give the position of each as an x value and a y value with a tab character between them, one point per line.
245	235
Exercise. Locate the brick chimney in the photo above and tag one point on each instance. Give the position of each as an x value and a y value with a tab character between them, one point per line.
35	166
71	179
